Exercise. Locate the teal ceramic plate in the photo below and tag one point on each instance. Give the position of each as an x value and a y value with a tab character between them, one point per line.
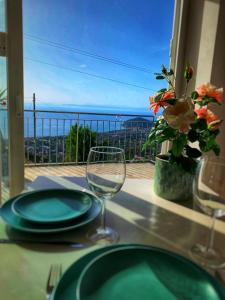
134	273
66	288
17	223
52	206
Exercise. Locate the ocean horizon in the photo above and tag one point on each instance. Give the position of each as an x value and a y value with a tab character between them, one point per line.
90	108
55	124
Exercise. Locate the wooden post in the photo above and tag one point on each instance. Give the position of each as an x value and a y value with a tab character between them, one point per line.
15	95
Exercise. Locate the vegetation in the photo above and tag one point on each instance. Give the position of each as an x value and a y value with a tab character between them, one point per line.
82	137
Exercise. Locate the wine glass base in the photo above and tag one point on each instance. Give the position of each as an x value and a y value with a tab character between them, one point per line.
207	257
103	236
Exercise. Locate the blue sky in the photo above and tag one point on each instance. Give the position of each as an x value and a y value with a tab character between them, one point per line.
135	32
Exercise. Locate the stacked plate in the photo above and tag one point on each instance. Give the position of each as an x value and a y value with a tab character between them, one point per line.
134	272
49	211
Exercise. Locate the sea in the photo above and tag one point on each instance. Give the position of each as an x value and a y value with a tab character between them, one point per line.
57	119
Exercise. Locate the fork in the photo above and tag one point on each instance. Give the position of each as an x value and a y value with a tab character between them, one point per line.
54	275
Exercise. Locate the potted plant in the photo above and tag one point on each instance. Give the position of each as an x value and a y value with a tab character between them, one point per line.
190	127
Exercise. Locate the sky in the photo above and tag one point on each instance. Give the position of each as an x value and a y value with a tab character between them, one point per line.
69	47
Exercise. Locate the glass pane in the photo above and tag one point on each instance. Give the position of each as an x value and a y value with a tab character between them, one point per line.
95	57
2	15
4	167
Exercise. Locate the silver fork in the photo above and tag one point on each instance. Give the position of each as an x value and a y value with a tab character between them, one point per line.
54	275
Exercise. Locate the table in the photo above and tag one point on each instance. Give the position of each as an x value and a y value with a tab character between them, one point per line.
136	213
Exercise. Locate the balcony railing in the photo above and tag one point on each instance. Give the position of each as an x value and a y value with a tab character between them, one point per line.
53	137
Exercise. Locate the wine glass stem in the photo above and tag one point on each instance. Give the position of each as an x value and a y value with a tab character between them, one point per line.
212	234
103	217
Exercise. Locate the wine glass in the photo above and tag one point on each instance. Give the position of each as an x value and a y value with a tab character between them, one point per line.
209	194
105	173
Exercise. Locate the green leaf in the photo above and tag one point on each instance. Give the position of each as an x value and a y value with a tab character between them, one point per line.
162	90
151	134
171	72
216	149
159	77
160	127
171	101
161	139
211	141
207	141
151	137
159	132
170	132
199	124
215	132
203	146
178	145
158	97
193	152
193	136
202	124
194	95
164	70
206	100
200	103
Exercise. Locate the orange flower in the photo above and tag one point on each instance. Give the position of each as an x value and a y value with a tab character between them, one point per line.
201	113
210	91
212	120
208	115
156	104
167	95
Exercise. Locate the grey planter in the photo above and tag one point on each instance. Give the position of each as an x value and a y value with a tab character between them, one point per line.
171	181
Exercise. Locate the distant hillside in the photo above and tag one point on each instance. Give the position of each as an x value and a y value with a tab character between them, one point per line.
137	122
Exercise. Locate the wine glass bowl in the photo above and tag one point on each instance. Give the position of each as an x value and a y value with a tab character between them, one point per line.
105	173
209	195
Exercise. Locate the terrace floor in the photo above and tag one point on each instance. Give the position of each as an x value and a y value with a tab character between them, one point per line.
133	170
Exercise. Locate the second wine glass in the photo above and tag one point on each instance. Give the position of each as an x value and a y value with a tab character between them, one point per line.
209	195
105	173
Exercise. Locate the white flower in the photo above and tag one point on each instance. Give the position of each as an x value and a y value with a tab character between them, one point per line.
180	115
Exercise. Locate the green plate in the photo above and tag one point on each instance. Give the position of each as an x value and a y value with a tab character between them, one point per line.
17	223
133	273
66	288
51	206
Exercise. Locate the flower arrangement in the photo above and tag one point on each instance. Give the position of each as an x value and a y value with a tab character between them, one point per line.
185	120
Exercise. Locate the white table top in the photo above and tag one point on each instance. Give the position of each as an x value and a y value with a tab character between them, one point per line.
136	213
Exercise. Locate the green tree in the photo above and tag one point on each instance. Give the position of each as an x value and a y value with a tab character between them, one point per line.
84	138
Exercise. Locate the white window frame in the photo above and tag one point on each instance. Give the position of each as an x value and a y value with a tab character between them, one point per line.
14	55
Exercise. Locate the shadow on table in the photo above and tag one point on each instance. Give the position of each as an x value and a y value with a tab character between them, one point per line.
74	240
137	220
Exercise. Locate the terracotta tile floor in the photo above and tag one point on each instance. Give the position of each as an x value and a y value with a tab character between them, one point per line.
133	170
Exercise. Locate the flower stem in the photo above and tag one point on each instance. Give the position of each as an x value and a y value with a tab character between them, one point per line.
185	92
171	84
